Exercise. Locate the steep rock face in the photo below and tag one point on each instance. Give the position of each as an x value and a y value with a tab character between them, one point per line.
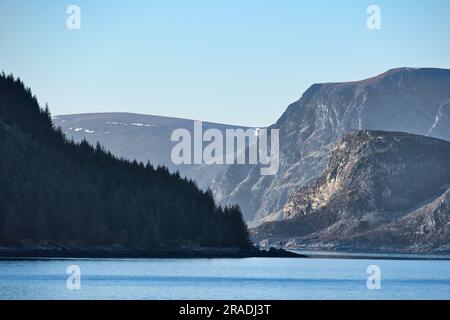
408	100
380	189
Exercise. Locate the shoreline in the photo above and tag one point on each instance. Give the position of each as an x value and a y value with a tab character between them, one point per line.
43	255
17	254
207	253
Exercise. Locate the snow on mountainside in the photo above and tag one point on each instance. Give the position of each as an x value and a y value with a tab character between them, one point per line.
139	137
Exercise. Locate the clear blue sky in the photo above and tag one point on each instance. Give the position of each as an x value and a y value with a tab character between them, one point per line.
239	62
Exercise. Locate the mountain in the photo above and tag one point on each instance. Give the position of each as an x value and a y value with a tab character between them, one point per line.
55	193
141	138
409	100
381	191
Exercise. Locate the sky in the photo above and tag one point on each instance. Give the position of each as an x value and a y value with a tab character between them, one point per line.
229	61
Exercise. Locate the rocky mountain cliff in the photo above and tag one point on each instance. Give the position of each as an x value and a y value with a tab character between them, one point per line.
409	100
381	191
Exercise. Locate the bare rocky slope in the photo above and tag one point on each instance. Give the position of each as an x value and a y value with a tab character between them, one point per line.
381	191
409	100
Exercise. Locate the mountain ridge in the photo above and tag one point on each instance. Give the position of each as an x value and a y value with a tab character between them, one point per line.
401	99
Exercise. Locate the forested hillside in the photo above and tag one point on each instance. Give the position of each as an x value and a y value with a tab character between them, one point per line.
54	191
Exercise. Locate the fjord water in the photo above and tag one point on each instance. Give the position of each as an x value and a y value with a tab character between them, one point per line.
224	279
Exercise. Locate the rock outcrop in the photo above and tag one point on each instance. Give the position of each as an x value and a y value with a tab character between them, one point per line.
383	191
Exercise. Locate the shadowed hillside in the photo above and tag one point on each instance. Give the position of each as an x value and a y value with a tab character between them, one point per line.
57	192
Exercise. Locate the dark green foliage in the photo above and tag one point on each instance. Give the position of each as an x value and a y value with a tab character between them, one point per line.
56	191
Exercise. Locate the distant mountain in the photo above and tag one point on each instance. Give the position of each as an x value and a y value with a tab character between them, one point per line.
410	100
140	137
381	191
58	194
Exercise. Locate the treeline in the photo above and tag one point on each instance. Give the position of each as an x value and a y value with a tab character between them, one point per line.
56	191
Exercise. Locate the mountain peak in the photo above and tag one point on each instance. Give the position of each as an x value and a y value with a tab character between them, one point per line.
393	74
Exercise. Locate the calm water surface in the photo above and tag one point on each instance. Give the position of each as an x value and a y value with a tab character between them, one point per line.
224	279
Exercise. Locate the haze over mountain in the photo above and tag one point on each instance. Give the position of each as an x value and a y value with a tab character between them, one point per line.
381	191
